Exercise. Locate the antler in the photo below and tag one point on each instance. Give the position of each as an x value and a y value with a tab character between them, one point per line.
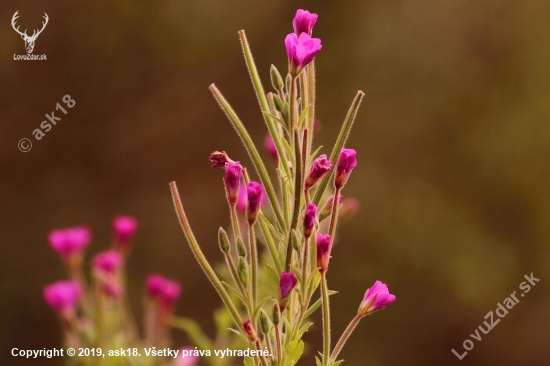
35	34
13	19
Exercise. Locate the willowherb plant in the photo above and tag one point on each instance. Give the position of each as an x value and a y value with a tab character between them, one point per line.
95	317
270	298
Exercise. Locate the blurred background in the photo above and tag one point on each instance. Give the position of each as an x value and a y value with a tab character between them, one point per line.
453	143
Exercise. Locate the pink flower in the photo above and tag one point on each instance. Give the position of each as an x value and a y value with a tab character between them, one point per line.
346	162
376	298
62	296
319	168
248	330
162	289
187	358
232	178
124	228
323	252
255	195
218	159
108	262
242	200
70	241
301	50
287	282
310	218
304	21
269	145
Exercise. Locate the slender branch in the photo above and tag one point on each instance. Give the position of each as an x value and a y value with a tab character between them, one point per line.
253	249
201	259
340	141
297	195
334	213
351	326
326	320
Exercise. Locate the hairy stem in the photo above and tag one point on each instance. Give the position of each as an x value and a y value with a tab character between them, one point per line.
297	195
326	320
351	326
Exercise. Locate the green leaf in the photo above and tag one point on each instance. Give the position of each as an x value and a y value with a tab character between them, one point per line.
278	120
340	141
234	291
314	154
290	153
261	303
303	116
318	361
193	330
234	331
248	361
294	351
312	308
264	223
303	329
336	363
272	277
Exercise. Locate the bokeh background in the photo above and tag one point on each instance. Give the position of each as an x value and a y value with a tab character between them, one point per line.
453	143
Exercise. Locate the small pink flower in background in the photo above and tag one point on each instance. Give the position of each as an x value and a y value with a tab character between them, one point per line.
301	50
376	298
62	296
232	178
317	125
346	162
269	145
218	159
304	21
162	289
108	261
319	168
310	218
255	193
287	282
124	229
323	252
349	207
186	357
70	241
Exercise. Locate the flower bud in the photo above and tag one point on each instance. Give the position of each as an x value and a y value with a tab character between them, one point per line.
249	331
279	105
264	322
288	85
349	208
310	218
163	290
232	179
323	252
255	195
276	314
376	298
287	282
276	79
70	242
319	168
242	271
327	208
346	162
107	262
241	248
304	21
219	159
295	240
223	240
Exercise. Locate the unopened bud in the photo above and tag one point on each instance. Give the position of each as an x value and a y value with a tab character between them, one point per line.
279	105
264	322
276	79
223	240
249	331
242	271
296	242
241	248
327	208
276	314
288	82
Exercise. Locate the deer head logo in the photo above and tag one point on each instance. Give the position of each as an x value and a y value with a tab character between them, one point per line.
29	40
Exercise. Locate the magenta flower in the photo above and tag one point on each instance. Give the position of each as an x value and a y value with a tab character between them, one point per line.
70	241
319	168
304	21
162	289
255	195
269	145
218	159
376	298
301	50
287	282
346	162
232	178
310	218
323	252
242	200
124	228
62	296
108	262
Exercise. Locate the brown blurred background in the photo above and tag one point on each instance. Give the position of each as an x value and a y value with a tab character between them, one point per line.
453	141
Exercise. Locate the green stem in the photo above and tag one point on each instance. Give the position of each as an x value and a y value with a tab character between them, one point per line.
270	244
297	195
326	320
235	222
334	213
252	152
340	141
253	249
351	326
201	259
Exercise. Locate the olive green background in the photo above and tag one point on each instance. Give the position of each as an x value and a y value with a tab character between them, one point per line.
453	143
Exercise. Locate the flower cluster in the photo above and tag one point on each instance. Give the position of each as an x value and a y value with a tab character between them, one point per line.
285	218
97	314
